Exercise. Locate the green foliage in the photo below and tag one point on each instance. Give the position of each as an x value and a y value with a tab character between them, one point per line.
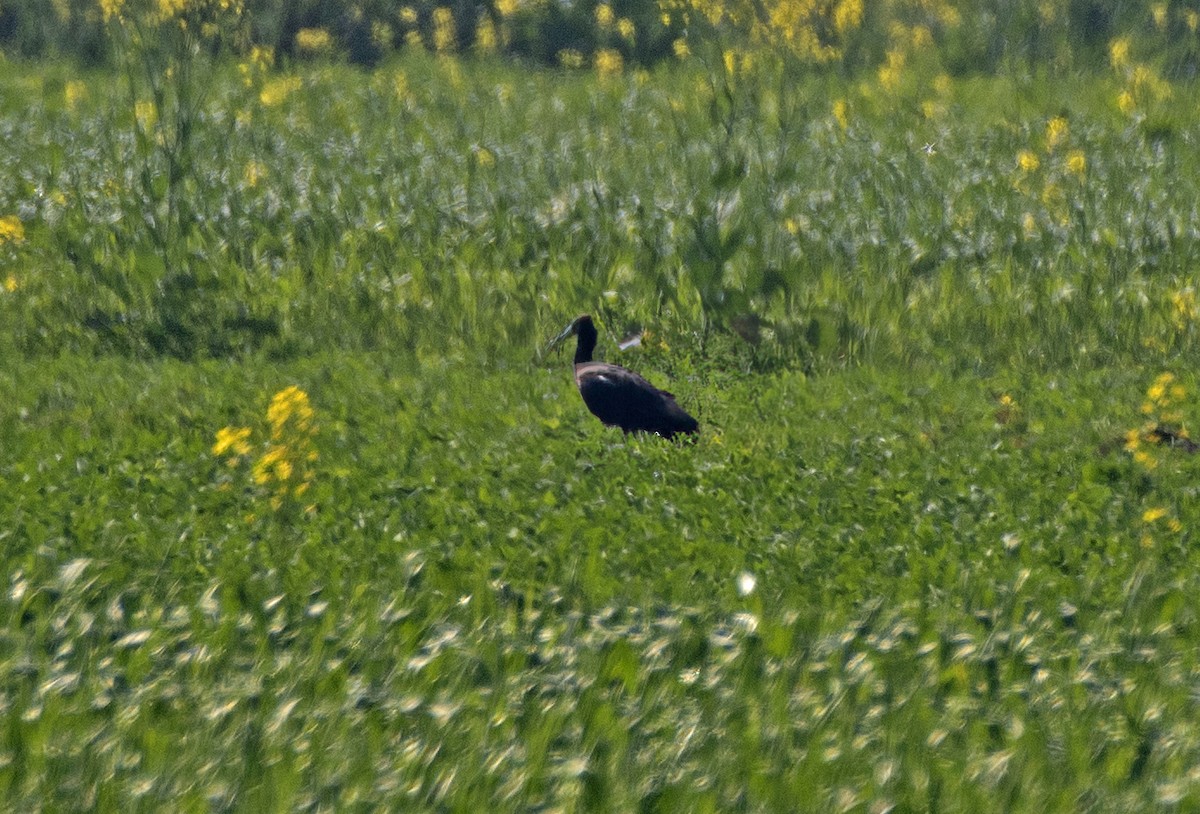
362	546
827	222
497	603
971	36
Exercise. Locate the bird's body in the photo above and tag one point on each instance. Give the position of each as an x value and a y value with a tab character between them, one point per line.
620	397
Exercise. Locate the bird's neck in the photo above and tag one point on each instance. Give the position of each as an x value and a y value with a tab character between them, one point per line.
585	346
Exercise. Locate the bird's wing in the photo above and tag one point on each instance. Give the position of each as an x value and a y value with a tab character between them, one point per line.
620	397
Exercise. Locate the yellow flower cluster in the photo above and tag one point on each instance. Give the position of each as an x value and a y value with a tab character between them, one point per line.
445	40
1056	131
275	90
841	113
1158	12
1050	177
485	35
253	172
313	40
1143	87
111	9
608	63
234	442
177	12
1163	411
285	466
812	31
11	230
1184	309
892	69
1152	520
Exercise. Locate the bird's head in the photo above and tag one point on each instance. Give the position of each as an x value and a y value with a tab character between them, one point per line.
583	328
580	325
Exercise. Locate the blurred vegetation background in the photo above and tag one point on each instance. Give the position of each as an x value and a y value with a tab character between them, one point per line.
813	181
973	36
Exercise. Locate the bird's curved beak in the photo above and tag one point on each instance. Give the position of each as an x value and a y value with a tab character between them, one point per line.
569	331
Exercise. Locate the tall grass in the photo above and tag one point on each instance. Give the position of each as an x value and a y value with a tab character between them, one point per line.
430	203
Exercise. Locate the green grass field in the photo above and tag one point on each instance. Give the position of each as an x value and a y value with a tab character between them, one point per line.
909	565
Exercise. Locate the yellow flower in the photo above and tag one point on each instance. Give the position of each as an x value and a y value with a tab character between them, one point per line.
506	8
485	35
266	466
892	70
111	9
313	40
604	15
840	113
484	157
74	93
11	230
1056	131
1027	161
1133	440
146	114
1192	20
289	404
1029	225
626	29
444	36
847	15
168	9
1077	162
278	89
400	85
10	283
1118	52
680	47
1126	102
262	57
1158	12
1174	525
1158	389
921	37
382	35
253	173
232	439
408	15
1184	308
1151	515
608	62
570	58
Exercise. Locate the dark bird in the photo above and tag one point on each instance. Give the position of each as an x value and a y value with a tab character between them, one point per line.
620	397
